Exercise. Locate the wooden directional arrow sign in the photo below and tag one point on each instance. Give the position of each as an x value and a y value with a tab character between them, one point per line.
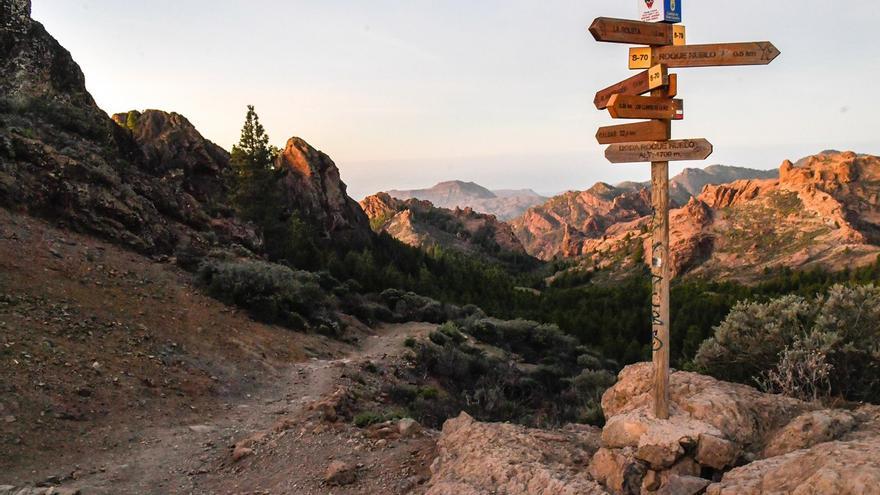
637	33
644	107
720	54
652	130
638	84
662	151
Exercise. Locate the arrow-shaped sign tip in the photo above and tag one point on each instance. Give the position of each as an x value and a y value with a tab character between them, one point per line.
771	52
595	29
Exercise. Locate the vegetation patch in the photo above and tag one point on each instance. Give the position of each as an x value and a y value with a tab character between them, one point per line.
807	347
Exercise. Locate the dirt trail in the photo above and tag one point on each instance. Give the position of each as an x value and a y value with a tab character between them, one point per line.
187	459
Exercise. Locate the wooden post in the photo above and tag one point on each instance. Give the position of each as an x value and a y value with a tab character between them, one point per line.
660	286
660	275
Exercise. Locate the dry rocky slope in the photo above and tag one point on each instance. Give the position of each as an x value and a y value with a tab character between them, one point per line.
421	224
505	204
722	439
822	212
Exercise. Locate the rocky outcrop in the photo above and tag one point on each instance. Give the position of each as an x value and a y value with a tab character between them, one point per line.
421	224
744	441
482	459
62	157
311	185
505	204
721	439
832	468
176	152
822	212
564	225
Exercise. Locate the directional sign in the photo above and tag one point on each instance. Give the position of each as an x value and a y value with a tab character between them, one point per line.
644	107
638	84
720	54
637	33
660	151
672	86
652	130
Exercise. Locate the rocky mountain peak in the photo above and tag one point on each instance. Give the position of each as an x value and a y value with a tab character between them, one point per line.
419	223
311	185
174	150
15	15
33	64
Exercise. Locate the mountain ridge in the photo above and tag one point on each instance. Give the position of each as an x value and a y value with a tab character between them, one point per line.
503	203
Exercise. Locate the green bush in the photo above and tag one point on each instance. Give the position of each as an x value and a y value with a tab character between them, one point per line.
367	418
534	341
271	293
540	377
843	326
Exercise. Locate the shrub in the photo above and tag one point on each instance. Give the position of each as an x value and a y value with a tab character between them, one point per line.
367	418
802	372
271	293
409	306
791	343
543	378
532	340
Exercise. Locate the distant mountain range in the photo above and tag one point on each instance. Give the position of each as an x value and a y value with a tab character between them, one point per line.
421	224
505	204
822	211
691	181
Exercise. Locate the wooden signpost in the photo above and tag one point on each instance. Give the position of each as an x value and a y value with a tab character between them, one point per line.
638	84
659	151
652	130
637	32
650	141
644	107
717	55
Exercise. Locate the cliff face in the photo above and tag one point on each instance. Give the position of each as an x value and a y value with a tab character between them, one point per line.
421	224
822	212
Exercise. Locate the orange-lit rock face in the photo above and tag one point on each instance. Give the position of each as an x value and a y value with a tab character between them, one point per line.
312	188
822	211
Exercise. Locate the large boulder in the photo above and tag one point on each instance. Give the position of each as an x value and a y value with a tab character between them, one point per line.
741	413
489	458
831	468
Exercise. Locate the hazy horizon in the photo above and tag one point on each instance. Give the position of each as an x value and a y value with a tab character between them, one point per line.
403	96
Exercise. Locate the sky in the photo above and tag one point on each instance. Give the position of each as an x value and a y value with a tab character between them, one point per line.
406	93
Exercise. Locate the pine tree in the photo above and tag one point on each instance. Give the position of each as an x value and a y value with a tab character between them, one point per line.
253	161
